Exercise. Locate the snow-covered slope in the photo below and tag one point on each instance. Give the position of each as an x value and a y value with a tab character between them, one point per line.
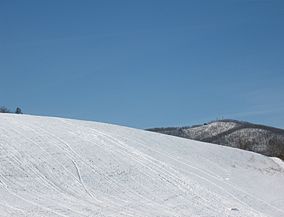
60	167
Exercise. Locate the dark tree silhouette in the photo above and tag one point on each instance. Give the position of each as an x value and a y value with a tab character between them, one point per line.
18	111
3	109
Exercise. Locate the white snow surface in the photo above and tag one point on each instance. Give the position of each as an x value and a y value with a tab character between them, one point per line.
62	167
211	129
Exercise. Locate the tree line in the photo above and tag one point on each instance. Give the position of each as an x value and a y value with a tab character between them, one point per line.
4	109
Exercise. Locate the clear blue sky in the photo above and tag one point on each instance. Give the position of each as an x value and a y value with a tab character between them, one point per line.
144	63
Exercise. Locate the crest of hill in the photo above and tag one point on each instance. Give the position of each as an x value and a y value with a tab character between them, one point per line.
70	168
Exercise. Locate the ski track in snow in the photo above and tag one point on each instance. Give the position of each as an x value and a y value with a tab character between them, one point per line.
208	173
61	167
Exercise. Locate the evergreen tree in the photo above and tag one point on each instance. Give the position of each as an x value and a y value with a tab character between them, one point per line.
18	111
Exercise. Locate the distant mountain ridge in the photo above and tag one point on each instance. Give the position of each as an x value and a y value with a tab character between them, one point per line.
258	138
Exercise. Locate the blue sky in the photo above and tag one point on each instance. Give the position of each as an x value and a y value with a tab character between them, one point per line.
144	63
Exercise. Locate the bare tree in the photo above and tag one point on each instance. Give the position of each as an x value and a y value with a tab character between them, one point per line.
3	109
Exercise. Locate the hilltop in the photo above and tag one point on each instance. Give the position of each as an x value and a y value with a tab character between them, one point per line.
62	167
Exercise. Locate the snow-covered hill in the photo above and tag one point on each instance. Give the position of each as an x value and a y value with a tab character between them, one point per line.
261	139
61	167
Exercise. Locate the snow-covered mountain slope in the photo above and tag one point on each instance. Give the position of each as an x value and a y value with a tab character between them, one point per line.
261	139
61	167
